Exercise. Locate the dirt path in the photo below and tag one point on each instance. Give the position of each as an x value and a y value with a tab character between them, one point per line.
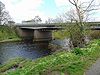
94	69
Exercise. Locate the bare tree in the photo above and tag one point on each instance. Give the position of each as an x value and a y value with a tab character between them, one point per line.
82	8
4	15
50	20
78	15
37	19
58	19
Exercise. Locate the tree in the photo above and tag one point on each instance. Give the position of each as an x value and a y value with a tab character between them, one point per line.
58	19
78	16
4	15
37	19
50	20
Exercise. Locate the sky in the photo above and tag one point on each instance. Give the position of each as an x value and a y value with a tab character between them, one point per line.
27	9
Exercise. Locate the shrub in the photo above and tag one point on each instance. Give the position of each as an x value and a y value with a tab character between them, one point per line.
95	34
77	51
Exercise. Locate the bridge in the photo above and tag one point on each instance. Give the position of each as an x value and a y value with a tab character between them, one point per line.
36	32
43	32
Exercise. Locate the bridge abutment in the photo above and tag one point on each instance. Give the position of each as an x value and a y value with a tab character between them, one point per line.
25	34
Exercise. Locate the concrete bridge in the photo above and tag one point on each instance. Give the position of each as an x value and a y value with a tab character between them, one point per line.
36	32
43	32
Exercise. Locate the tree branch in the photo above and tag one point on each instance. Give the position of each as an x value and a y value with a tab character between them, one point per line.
71	2
89	5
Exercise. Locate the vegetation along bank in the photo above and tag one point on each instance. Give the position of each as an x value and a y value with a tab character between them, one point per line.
8	34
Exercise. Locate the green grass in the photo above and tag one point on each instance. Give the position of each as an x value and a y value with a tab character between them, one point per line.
7	33
72	63
60	34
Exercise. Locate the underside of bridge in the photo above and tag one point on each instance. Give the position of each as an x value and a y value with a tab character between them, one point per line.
34	35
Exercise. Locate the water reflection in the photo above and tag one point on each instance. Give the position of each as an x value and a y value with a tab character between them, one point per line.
22	49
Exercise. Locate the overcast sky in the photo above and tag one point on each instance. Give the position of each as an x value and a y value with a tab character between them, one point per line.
27	9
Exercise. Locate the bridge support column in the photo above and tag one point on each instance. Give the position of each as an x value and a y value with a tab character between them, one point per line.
40	35
25	34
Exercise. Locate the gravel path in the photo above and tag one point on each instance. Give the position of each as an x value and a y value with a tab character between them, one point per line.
94	69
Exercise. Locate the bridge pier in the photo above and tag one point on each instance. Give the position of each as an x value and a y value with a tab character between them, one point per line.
25	34
42	35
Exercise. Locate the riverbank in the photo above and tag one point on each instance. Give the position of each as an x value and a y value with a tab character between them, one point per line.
75	62
59	35
11	40
8	34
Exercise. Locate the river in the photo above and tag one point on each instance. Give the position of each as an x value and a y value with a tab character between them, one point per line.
9	50
28	50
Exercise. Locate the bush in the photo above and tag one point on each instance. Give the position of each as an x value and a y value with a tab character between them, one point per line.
95	34
77	51
7	33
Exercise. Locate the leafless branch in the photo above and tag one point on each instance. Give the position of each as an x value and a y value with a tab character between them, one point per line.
71	2
4	15
89	5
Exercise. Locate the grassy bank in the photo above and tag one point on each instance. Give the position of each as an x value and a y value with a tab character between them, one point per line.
62	34
7	34
11	40
75	62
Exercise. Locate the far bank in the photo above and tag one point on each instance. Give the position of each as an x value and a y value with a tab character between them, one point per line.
8	34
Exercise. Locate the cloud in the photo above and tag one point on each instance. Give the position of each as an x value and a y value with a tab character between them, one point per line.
27	9
66	3
60	3
64	6
23	9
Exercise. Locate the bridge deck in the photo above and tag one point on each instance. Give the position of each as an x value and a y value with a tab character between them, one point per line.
39	28
35	25
55	26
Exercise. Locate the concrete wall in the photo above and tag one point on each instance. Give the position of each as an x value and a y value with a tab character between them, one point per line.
40	35
25	33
